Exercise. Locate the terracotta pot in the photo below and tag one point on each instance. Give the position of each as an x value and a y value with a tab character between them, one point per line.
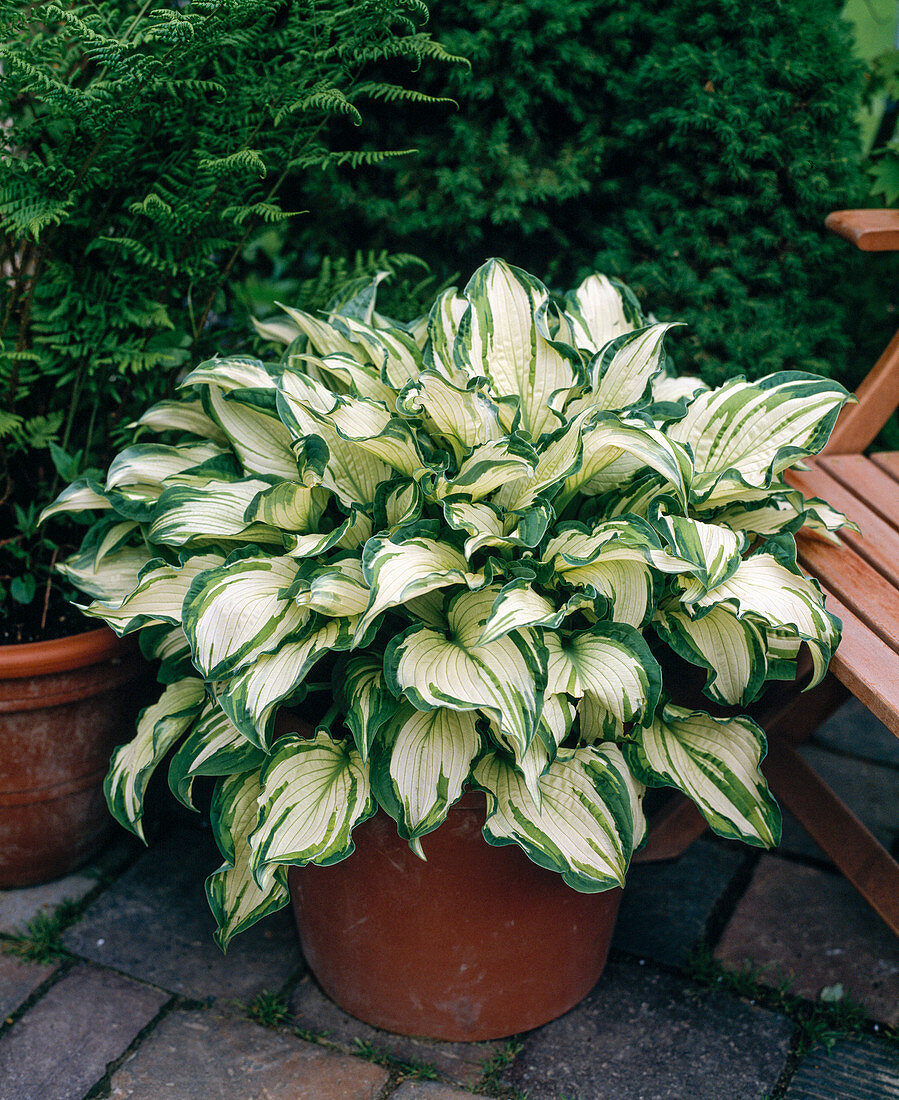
64	705
476	943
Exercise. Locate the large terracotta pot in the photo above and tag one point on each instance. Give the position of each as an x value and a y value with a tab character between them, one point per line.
64	705
476	943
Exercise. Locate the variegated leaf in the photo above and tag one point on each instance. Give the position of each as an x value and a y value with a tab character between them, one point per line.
322	335
367	700
489	466
613	664
393	350
154	465
191	515
501	339
462	417
711	552
184	415
314	792
599	310
716	762
237	612
518	605
158	596
731	649
398	503
351	376
158	728
449	668
752	431
338	589
352	473
251	697
260	441
613	560
81	496
606	438
287	506
108	579
235	897
399	571
622	372
443	326
419	761
559	455
354	531
377	431
214	746
230	373
584	826
673	387
781	598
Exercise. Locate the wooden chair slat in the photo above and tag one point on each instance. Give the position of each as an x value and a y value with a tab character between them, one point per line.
868	482
888	461
869	230
868	595
867	665
878	542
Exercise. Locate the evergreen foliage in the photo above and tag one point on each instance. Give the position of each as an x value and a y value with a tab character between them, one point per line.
692	147
146	144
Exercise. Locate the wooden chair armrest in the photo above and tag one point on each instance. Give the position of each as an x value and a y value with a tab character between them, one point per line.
869	230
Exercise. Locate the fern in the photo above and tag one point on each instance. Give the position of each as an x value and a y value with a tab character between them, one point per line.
150	144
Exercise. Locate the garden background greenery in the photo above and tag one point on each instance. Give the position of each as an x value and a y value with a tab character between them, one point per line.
169	167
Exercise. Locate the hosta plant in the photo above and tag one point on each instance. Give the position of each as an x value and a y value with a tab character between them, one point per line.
472	539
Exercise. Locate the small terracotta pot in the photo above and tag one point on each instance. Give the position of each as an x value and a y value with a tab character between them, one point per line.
476	943
64	705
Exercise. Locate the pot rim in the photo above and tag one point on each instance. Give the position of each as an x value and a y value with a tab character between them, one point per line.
91	647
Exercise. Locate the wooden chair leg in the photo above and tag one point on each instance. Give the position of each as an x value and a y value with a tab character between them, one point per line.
835	829
674	828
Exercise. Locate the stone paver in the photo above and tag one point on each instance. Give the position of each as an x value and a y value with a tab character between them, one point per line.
430	1090
855	730
643	1034
312	1011
851	1070
62	1046
812	927
206	1055
18	907
665	906
870	790
18	980
154	923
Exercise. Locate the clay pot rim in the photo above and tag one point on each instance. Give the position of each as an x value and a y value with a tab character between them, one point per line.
91	647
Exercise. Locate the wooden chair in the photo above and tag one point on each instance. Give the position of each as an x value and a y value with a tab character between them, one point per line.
861	583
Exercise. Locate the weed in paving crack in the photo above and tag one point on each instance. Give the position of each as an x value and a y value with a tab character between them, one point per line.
268	1008
418	1071
820	1022
490	1084
41	941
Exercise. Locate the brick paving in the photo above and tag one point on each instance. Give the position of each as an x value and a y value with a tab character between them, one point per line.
137	1003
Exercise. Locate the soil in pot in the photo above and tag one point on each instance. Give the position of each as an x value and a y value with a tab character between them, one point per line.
64	705
476	943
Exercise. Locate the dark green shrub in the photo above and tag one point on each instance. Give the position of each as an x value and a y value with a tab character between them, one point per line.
692	147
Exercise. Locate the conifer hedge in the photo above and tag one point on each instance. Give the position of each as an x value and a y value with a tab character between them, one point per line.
692	147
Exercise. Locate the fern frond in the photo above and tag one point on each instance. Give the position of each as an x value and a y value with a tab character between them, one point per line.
10	425
394	93
244	160
355	158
